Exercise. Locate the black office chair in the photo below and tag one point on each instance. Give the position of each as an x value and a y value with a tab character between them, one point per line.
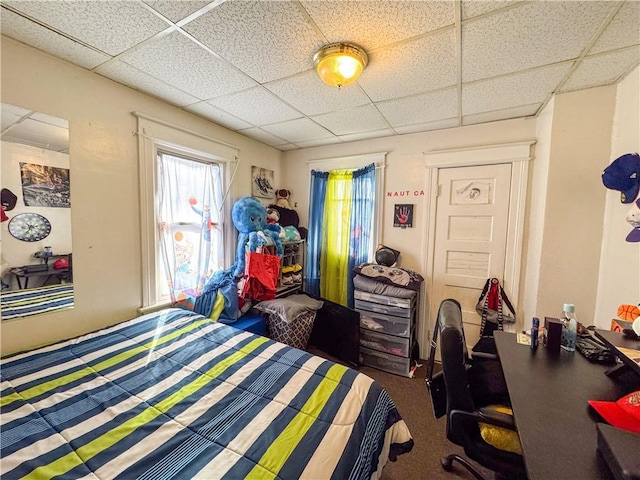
470	386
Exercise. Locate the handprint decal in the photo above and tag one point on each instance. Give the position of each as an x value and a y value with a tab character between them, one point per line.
403	216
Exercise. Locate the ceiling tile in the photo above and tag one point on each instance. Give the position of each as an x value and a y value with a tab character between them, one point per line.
11	114
524	111
386	21
299	130
112	27
262	136
127	75
243	31
309	94
473	8
425	127
218	116
287	146
415	67
319	142
176	11
623	31
354	120
257	106
525	88
603	69
535	34
23	30
354	137
420	108
179	61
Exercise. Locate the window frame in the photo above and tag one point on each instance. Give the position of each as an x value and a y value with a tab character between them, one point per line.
354	162
154	136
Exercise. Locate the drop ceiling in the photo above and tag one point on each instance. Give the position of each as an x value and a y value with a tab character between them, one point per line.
247	65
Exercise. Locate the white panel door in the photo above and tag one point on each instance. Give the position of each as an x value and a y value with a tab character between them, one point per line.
472	219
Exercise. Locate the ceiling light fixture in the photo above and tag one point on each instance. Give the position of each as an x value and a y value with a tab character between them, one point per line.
340	64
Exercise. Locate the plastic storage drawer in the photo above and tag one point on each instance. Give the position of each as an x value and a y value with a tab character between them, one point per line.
385	361
385	343
384	299
398	326
385	309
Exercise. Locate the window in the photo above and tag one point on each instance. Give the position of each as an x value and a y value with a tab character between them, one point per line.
185	180
344	225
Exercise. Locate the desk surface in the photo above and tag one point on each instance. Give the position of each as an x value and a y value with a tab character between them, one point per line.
549	396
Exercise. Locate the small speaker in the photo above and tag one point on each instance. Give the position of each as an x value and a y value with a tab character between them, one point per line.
553	336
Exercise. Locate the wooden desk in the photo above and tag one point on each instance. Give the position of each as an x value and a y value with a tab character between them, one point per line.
549	396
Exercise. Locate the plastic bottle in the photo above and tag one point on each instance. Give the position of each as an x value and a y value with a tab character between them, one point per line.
570	327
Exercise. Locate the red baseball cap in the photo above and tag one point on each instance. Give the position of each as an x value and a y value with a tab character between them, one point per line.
624	413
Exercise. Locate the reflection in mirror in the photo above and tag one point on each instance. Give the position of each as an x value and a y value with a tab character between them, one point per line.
36	260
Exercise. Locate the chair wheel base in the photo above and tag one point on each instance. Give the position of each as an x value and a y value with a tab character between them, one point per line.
447	465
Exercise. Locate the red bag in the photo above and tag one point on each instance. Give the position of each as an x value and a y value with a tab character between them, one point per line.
260	276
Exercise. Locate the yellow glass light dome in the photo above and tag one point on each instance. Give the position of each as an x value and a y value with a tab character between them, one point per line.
340	64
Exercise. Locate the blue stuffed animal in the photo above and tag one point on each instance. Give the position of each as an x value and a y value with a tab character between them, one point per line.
250	218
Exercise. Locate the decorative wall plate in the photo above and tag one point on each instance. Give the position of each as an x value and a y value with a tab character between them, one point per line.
29	227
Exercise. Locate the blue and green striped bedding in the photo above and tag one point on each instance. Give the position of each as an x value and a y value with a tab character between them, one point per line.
173	395
22	303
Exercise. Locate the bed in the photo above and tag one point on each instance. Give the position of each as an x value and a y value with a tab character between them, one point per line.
176	395
33	301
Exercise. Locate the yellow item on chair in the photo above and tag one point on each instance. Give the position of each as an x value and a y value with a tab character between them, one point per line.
501	438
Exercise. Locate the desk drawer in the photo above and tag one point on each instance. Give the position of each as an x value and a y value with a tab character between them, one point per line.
384	299
389	324
384	309
385	361
385	343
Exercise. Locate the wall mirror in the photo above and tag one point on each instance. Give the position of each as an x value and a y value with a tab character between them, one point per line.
36	258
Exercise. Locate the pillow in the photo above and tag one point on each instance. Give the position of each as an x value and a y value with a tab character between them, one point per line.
288	308
501	438
369	285
401	277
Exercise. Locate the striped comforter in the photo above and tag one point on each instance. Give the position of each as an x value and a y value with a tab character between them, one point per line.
175	395
21	303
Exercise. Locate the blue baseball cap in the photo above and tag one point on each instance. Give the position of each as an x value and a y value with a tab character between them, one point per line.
624	175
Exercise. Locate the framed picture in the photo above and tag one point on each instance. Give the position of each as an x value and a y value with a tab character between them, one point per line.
44	186
403	215
262	183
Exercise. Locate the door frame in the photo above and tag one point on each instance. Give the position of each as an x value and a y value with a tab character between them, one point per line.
518	155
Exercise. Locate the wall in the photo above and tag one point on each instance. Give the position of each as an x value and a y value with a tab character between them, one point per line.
16	252
405	178
619	275
580	146
104	187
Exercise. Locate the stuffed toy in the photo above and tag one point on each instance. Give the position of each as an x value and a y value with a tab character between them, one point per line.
273	218
633	217
250	218
282	198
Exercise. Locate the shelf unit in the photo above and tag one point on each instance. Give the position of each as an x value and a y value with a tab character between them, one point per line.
387	331
291	268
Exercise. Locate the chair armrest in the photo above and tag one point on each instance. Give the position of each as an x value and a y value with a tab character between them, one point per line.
499	419
483	356
485	415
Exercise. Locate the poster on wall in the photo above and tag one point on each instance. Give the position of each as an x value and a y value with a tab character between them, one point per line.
44	186
262	183
403	215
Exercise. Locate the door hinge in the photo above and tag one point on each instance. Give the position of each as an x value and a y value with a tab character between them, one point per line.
438	190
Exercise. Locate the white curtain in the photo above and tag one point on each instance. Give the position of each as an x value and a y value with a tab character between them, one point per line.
190	224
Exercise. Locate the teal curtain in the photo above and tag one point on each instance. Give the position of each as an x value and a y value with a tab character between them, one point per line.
362	210
314	238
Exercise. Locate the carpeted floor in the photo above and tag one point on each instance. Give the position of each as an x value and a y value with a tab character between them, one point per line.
412	400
